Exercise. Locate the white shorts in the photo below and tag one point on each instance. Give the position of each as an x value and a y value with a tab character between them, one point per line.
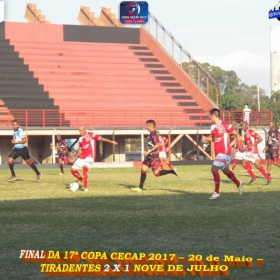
239	155
80	163
162	155
251	157
222	161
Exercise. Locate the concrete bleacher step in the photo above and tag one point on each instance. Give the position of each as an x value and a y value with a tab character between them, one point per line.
77	59
148	59
15	69
9	63
182	97
8	56
154	65
19	89
138	48
191	117
20	76
7	50
143	53
193	111
71	45
7	82
170	84
187	104
159	72
74	66
165	78
35	104
100	85
86	79
176	91
67	90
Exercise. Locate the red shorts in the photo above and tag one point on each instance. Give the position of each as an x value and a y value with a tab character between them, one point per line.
152	161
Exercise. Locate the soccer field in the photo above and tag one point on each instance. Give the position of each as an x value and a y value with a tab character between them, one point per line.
172	216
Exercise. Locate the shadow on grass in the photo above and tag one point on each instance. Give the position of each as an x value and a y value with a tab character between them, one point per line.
181	223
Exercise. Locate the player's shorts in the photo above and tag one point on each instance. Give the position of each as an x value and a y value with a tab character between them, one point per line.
80	163
162	155
152	161
64	157
222	161
239	155
22	152
273	155
251	157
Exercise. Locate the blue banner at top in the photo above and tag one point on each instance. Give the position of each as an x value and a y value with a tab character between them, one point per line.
134	12
274	14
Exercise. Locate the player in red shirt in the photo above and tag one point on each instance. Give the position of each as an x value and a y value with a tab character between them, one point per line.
240	156
252	140
221	132
87	153
163	141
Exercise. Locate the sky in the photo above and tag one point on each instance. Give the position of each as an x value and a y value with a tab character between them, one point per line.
234	35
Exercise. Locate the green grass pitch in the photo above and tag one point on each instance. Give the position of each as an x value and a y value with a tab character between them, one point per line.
172	216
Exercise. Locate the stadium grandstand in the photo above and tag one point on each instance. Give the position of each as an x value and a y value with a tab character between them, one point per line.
109	77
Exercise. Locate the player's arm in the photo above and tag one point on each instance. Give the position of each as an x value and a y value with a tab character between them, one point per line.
22	141
206	139
108	141
156	146
265	148
258	140
237	136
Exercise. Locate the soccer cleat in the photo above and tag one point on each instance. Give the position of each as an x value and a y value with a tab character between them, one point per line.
12	178
252	180
214	195
137	189
85	190
269	182
61	174
39	177
240	190
176	173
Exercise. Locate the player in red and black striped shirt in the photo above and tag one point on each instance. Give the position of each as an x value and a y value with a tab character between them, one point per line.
151	157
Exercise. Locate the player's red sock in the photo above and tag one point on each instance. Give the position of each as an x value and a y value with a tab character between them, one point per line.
76	174
235	161
169	165
161	166
248	168
261	169
232	177
85	173
142	179
217	181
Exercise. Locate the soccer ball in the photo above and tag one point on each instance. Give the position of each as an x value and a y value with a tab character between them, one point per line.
277	8
74	186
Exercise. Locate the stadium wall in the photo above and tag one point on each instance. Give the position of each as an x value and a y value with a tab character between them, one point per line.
56	33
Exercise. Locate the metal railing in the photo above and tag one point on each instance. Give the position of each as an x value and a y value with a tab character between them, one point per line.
254	118
128	118
183	58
